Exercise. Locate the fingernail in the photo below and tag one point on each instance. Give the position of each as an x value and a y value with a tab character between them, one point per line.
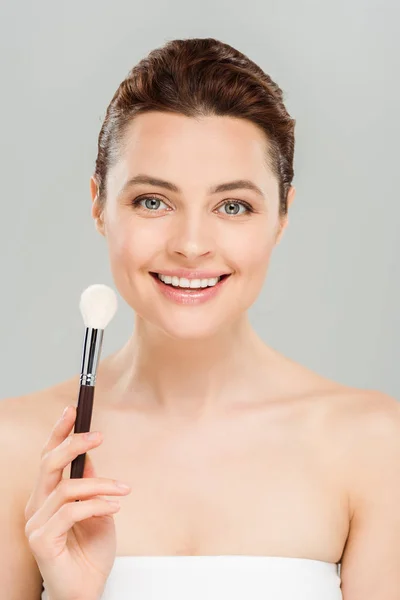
92	435
123	486
65	412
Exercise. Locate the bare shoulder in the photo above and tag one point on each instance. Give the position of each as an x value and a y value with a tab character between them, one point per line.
363	415
25	423
360	416
361	408
365	428
30	414
374	419
369	434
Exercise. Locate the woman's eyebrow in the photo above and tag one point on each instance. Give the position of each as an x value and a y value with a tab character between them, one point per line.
222	187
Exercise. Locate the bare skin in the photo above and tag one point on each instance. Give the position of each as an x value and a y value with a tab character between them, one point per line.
265	477
228	446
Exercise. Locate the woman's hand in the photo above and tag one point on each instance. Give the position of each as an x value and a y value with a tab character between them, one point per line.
74	543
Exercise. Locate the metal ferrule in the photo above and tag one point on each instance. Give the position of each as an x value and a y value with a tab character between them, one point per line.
90	356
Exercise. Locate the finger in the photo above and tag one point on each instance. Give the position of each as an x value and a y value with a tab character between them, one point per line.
53	464
70	490
60	431
89	469
45	540
56	460
62	428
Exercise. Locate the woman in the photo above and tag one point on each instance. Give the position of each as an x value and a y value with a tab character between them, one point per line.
249	475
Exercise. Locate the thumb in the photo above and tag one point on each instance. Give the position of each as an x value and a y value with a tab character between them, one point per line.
88	469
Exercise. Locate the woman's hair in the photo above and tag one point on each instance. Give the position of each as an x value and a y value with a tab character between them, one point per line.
199	77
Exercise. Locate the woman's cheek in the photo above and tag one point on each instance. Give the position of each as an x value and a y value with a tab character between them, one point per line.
129	246
250	251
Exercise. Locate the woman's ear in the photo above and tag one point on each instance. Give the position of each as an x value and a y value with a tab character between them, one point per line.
97	211
282	225
291	195
285	220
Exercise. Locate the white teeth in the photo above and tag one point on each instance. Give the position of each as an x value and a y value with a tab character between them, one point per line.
188	283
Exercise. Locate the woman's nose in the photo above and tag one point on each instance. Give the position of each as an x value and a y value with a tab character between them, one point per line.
192	238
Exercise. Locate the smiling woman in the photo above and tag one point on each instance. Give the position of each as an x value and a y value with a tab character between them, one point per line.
251	476
205	188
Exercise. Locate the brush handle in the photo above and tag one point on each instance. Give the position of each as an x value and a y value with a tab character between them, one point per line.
82	424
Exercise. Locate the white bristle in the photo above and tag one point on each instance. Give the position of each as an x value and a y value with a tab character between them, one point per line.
98	305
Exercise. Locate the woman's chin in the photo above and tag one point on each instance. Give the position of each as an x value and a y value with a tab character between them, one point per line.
187	327
188	332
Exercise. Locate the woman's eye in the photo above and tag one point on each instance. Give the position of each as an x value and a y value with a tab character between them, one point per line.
151	203
233	207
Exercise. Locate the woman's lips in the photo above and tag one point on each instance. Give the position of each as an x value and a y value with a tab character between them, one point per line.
189	295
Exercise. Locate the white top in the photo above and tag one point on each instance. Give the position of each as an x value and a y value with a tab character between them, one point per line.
233	577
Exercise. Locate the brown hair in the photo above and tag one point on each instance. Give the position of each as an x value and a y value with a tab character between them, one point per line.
198	77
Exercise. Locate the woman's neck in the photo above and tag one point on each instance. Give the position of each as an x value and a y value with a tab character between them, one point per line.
185	377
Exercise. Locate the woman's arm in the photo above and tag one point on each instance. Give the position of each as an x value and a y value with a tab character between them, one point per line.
371	560
19	574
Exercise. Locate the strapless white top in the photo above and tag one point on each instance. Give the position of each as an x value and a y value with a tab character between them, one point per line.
226	577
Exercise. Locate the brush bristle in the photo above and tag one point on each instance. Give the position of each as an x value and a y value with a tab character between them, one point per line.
98	305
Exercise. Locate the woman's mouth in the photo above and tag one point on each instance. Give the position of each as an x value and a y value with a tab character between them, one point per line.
189	291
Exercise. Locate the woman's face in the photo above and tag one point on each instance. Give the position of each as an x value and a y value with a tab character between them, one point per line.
190	228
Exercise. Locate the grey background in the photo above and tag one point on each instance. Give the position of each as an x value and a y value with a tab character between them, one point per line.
331	298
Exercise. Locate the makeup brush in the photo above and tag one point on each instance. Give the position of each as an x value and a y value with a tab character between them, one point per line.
98	305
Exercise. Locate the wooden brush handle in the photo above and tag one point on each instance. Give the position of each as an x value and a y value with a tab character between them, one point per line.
82	424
